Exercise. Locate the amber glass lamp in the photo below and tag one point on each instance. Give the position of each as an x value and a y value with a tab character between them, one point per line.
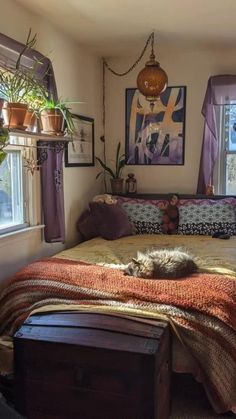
152	80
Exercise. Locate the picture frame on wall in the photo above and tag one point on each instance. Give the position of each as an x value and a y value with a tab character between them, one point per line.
80	151
155	137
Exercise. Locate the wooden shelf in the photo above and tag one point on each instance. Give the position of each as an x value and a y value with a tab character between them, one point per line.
38	135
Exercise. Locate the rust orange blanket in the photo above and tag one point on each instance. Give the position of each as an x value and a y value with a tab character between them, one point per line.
202	309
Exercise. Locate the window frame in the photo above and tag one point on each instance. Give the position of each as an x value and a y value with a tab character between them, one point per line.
31	186
220	169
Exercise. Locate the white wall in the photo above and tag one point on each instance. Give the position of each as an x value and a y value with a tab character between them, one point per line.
78	77
189	66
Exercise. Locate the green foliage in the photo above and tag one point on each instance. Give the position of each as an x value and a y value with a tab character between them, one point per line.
21	86
119	165
3	155
16	84
65	110
4	136
36	97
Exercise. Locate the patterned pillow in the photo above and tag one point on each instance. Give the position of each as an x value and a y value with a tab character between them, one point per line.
146	215
207	216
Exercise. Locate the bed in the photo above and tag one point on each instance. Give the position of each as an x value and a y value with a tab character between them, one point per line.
201	308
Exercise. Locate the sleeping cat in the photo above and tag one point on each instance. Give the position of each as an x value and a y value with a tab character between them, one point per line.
163	263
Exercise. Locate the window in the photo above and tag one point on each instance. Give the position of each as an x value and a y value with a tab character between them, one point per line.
11	191
225	169
19	189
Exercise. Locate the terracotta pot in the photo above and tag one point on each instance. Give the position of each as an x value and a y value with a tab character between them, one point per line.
30	120
117	185
52	121
14	115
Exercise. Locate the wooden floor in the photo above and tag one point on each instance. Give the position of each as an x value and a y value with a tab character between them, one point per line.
189	400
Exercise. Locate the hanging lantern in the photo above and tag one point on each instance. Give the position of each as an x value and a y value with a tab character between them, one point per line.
152	79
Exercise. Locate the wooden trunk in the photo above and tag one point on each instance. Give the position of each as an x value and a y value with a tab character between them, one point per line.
89	366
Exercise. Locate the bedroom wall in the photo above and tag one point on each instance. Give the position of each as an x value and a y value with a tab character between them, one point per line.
189	65
78	77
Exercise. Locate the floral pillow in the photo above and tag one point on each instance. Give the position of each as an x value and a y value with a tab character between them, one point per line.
207	216
146	215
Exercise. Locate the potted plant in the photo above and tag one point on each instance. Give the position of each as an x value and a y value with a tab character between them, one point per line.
56	116
14	87
115	174
35	99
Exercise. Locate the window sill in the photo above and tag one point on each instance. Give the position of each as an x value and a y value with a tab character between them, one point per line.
17	234
39	136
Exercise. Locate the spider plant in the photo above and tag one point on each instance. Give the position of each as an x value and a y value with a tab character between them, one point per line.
15	84
119	165
63	107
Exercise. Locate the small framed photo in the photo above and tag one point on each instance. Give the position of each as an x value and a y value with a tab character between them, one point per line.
80	151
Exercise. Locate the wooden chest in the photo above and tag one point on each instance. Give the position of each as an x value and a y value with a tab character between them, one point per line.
89	366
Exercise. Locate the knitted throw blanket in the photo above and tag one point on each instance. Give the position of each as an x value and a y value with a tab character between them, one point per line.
202	309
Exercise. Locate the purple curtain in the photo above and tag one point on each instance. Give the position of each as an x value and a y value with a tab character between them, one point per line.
50	156
221	90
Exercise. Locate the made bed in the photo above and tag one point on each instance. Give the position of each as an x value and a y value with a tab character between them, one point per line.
201	308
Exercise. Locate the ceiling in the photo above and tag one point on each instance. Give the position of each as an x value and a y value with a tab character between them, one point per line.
113	27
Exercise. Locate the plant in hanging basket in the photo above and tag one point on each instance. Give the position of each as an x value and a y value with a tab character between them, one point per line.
114	173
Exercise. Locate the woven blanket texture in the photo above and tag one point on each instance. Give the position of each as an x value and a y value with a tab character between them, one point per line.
201	308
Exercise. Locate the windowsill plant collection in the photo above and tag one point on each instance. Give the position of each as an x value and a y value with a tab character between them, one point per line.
27	105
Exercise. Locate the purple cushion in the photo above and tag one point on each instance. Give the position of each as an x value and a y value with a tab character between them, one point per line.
111	220
86	226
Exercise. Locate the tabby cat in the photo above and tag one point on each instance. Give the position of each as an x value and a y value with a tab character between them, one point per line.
162	263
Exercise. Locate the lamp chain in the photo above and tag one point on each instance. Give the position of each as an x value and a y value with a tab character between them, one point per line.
103	137
150	38
105	65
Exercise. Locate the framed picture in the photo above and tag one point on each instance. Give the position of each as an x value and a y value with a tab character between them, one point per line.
80	151
157	137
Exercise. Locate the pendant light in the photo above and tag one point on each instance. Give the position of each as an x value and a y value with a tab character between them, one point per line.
152	80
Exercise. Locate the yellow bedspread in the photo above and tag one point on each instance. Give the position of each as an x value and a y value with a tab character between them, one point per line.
215	254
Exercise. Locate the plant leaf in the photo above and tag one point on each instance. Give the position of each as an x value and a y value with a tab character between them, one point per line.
99	174
117	158
3	155
120	167
106	168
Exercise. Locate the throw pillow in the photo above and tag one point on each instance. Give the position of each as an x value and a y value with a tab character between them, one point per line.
86	226
110	220
207	216
145	214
